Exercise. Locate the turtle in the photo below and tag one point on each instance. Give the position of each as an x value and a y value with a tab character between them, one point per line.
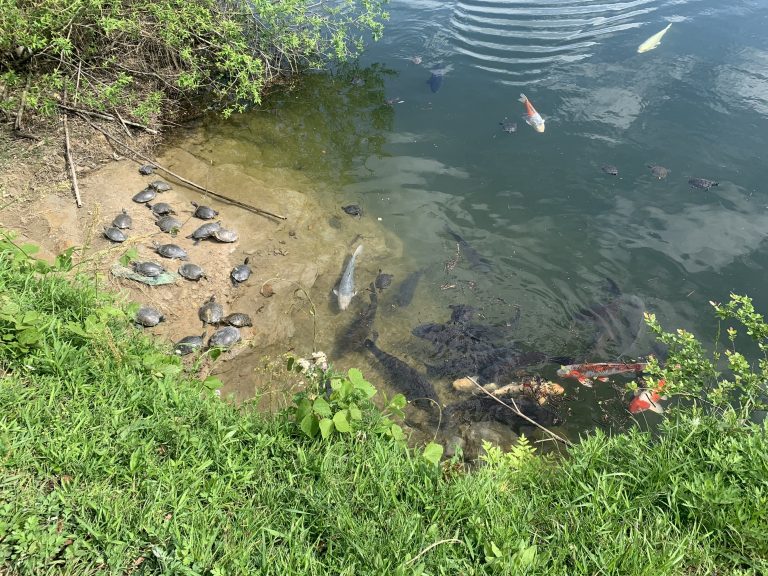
609	169
160	186
240	273
168	224
146	170
223	235
658	171
188	344
148	269
238	319
149	317
211	312
171	251
145	195
702	183
508	126
382	280
224	337
161	208
204	212
205	231
115	234
191	272
122	220
353	210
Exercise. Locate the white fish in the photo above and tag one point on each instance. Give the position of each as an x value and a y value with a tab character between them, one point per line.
653	41
532	118
346	290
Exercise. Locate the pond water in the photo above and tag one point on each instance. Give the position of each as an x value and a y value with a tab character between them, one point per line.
545	226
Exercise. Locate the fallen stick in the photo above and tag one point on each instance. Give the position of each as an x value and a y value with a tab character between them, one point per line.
71	164
221	197
109	117
517	411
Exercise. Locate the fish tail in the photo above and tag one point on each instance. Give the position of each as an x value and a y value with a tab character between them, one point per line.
358	251
523	98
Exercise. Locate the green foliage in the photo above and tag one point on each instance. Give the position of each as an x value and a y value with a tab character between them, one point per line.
143	58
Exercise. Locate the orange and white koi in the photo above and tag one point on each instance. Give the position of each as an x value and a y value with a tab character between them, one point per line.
532	118
648	399
585	373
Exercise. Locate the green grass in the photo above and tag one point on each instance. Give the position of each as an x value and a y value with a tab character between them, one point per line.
113	461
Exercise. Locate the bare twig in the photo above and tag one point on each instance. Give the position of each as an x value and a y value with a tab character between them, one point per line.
221	197
433	545
20	112
517	411
107	117
122	122
71	164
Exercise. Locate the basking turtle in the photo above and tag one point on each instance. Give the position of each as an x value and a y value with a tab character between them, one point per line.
382	280
115	234
188	344
146	170
122	220
211	312
240	273
224	337
353	210
205	231
204	212
171	251
238	319
610	169
658	171
149	317
160	186
508	126
168	224
145	195
160	208
702	183
191	272
148	269
223	235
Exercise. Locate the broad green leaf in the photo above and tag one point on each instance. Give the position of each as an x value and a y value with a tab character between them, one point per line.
341	422
28	336
433	452
309	425
289	363
355	376
335	384
396	432
214	353
355	413
326	427
212	383
30	249
321	407
527	556
76	329
398	402
303	407
128	256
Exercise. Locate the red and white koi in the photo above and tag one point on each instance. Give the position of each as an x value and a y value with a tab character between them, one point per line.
532	118
586	373
648	399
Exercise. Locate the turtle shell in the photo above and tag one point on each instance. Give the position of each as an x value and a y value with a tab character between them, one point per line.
122	221
353	210
211	312
168	224
187	345
204	212
191	271
171	251
145	195
241	272
115	234
161	208
223	235
508	126
610	169
148	317
146	170
702	183
238	319
383	280
160	186
224	337
148	269
659	171
205	231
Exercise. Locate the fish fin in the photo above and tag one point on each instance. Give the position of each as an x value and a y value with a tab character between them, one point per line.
585	382
336	292
358	251
603	378
523	98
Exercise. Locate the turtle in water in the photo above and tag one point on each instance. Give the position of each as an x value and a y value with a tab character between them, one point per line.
145	195
223	235
204	212
211	312
115	234
160	208
148	269
382	280
160	186
168	224
149	317
658	171
172	251
146	170
205	231
188	344
224	337
353	210
702	183
240	273
122	220
191	272
610	169
508	126
238	320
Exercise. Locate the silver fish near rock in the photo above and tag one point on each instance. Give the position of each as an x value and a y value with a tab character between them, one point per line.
346	290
